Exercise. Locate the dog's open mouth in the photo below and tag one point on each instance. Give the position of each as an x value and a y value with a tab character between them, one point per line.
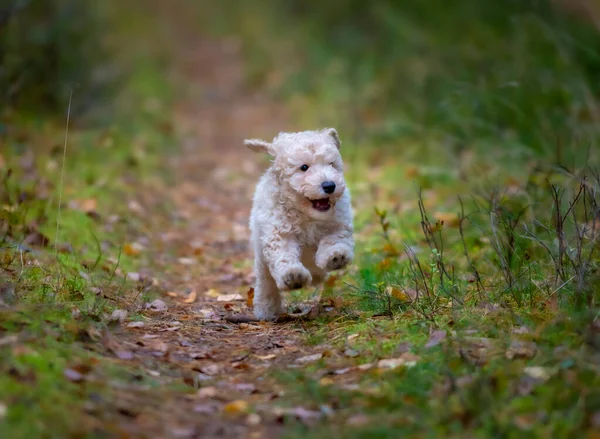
322	205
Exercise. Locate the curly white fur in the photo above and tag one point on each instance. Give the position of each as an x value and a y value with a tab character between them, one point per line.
299	232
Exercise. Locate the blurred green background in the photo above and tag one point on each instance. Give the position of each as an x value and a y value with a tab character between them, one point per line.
517	77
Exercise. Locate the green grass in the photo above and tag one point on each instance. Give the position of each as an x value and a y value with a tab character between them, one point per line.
51	303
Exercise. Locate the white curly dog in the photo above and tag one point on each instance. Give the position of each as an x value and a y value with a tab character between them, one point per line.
301	219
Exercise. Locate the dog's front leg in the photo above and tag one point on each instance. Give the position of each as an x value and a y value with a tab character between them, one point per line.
335	251
282	255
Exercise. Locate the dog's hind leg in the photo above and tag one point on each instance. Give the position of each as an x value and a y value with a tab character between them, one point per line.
267	299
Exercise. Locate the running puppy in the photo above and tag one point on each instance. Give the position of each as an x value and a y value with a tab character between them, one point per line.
301	219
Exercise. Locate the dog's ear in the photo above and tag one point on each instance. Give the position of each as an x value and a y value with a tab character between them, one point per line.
334	135
258	145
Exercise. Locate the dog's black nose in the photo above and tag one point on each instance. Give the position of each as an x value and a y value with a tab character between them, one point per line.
328	187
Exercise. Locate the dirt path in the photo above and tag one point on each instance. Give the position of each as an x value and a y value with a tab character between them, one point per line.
200	256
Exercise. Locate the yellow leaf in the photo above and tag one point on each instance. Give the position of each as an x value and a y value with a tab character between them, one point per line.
212	293
326	381
397	293
236	407
131	250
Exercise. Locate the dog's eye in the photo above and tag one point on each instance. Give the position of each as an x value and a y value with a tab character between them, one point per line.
304	168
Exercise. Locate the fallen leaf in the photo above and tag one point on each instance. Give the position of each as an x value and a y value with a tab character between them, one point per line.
245	387
397	293
207	313
212	293
229	297
132	249
521	330
343	371
135	324
133	276
36	238
538	372
351	353
358	420
326	381
250	298
265	357
365	366
521	350
406	360
449	219
236	407
436	338
210	369
73	375
157	305
300	413
309	358
198	355
191	298
207	408
186	261
207	392
118	315
89	205
253	419
159	346
352	337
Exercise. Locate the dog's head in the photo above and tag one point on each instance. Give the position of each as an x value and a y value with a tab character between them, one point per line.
308	167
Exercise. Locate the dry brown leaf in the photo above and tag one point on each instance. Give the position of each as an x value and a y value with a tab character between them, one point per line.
449	219
351	353
118	315
73	375
253	419
265	357
89	205
358	420
207	392
309	358
521	349
157	305
210	369
405	360
435	338
191	298
250	298
124	355
229	297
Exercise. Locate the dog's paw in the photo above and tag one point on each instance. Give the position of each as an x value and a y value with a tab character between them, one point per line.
294	278
335	258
